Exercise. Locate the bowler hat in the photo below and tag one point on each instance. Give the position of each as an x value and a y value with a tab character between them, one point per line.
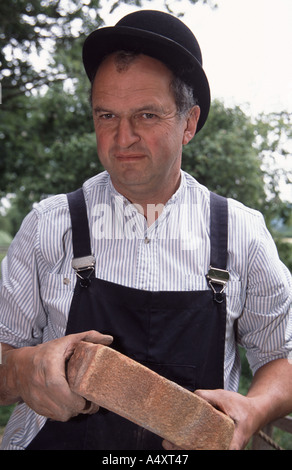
159	35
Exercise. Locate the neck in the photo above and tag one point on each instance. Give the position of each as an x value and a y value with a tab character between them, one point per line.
150	205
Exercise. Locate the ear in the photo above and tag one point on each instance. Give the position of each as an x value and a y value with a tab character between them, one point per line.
191	124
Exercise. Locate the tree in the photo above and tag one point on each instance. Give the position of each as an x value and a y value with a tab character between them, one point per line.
223	156
28	27
273	141
34	26
55	149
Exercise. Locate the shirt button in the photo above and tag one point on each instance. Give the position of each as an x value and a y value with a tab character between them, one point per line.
146	240
66	281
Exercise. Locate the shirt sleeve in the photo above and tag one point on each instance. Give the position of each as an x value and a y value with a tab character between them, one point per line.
265	327
22	317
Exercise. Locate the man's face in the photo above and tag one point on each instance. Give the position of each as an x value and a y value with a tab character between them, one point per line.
139	134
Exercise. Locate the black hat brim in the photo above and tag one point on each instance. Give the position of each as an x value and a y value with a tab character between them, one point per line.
106	40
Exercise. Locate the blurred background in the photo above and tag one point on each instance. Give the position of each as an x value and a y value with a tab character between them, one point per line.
47	142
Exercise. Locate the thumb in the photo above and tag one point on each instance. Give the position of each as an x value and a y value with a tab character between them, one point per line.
209	396
220	399
91	336
95	337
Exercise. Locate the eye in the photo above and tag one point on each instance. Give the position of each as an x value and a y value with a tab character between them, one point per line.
103	115
149	116
106	116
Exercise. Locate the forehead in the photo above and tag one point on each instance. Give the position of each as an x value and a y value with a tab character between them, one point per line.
143	77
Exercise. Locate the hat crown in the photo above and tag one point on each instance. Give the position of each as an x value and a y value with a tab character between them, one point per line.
166	25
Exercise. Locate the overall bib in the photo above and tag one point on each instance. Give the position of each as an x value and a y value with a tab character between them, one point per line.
180	335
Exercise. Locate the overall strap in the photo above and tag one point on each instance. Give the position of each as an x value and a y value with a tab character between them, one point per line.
218	230
83	262
217	274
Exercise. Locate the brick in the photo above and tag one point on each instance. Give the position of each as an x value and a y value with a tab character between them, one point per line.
122	385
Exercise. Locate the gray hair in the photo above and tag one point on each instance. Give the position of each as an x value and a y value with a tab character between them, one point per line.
183	96
183	93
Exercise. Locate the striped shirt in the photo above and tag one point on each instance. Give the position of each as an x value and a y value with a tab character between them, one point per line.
171	255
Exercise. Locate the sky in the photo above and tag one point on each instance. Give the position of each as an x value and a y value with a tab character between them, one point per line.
246	47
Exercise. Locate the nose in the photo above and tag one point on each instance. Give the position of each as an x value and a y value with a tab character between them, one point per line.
126	134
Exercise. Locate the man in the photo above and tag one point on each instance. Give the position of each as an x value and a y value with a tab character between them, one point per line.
162	270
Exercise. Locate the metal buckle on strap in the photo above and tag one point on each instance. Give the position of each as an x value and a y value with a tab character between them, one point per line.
83	264
219	277
80	265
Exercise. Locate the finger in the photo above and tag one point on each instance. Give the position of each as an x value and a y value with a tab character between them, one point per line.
236	443
169	445
211	396
89	408
97	338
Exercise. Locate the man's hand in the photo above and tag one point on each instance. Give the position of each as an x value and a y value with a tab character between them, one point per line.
269	398
37	376
238	407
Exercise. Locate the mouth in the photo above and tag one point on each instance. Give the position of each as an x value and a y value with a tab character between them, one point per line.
130	158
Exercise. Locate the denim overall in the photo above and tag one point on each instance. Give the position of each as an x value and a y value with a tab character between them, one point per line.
180	335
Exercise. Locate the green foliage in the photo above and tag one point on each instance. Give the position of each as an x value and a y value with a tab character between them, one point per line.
47	138
39	115
285	252
223	156
5	238
5	412
246	374
32	26
55	151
